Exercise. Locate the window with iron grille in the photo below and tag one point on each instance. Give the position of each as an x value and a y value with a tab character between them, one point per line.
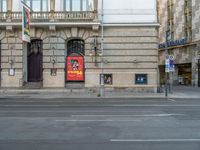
76	46
35	47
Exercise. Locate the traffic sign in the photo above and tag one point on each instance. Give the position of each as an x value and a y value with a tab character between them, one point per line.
171	65
167	65
171	57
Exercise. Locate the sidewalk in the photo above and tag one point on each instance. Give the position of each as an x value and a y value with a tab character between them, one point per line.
185	92
68	93
178	92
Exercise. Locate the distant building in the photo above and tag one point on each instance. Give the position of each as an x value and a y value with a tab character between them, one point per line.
179	20
66	44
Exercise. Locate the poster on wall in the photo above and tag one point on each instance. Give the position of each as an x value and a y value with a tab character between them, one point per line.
108	80
75	68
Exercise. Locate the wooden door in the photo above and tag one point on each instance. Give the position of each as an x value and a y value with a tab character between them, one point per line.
35	68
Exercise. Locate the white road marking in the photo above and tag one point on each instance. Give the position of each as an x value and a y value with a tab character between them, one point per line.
184	105
97	120
28	101
131	105
149	115
31	105
98	115
155	140
172	100
68	111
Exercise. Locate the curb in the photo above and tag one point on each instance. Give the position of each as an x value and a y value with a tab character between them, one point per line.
85	93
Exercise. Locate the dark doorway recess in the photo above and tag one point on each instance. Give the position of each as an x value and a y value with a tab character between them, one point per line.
35	61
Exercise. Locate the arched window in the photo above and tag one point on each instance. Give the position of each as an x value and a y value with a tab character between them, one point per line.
75	46
35	47
3	6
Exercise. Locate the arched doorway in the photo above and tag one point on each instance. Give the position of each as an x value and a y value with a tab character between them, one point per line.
35	61
75	67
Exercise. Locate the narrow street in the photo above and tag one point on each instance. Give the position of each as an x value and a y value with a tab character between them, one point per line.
109	124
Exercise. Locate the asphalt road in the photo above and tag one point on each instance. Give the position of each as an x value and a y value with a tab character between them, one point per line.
99	124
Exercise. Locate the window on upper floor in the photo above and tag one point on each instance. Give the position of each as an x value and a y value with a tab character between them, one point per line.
38	5
170	20
188	19
3	6
77	5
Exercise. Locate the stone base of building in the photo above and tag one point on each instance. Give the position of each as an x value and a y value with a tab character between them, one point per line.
129	60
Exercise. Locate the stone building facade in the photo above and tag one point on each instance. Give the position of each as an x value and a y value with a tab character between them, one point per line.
180	26
129	59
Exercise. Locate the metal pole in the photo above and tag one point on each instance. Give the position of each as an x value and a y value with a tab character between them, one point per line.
166	84
102	89
171	82
166	73
198	72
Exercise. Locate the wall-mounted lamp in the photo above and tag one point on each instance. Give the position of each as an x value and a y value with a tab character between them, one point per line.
11	61
95	46
53	59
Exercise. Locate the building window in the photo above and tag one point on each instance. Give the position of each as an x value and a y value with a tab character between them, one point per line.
67	5
84	5
170	21
78	5
3	6
44	5
188	19
140	78
76	46
38	5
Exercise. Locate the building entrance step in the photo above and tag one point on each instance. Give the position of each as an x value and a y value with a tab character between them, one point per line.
75	85
33	85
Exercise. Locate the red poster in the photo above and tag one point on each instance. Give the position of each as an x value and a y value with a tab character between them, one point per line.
75	68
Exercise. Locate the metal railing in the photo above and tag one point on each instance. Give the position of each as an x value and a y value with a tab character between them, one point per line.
46	16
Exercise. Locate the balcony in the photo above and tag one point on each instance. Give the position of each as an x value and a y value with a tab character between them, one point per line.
49	17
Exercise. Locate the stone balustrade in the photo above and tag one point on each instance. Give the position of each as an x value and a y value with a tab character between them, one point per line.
47	16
